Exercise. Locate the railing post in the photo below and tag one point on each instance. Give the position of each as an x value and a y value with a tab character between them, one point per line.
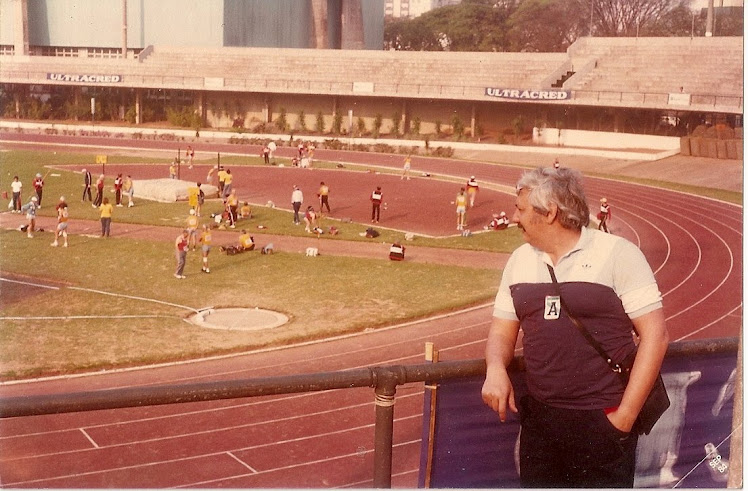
385	380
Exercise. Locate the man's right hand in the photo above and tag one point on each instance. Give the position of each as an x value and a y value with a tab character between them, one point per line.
498	392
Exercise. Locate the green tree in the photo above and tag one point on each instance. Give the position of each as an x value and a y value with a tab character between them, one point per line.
544	26
302	121
337	123
473	25
415	126
281	122
361	126
377	125
396	120
320	124
458	127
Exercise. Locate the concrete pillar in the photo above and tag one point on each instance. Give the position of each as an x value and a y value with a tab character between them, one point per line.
267	112
124	29
351	25
709	19
617	122
473	118
202	107
138	106
404	118
76	100
320	31
21	30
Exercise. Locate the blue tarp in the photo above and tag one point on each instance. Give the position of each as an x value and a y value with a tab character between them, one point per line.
689	446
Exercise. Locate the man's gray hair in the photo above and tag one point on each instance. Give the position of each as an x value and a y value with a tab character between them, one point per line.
562	187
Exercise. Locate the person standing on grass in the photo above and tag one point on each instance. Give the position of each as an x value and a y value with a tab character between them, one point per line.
38	184
232	203
99	192
376	204
30	210
192	224
87	182
228	179
118	183
62	223
106	210
206	239
129	191
200	199
221	180
16	186
297	197
180	246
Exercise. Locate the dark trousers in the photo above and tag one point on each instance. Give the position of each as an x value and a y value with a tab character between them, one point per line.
375	211
39	193
232	215
324	203
99	197
86	193
573	448
296	208
106	224
603	222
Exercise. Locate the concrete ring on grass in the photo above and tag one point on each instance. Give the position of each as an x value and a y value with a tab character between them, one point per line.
239	319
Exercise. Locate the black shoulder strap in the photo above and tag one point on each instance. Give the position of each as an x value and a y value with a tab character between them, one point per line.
613	366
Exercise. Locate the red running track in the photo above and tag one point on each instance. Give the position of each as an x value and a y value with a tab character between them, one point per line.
326	439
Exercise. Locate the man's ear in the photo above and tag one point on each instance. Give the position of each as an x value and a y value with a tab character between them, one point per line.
552	213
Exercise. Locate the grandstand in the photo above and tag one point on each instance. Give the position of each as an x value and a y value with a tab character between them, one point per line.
600	81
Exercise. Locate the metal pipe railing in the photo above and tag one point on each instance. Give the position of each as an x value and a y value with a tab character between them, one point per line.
384	380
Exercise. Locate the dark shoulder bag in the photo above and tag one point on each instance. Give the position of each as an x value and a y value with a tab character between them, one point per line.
657	402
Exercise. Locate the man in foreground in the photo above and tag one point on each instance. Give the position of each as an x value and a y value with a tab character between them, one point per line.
577	418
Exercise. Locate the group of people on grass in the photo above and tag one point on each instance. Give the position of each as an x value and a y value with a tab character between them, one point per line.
195	234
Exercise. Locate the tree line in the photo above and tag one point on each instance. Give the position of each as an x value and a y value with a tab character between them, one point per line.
550	25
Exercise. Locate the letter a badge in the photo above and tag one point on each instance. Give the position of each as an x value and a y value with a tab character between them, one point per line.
552	307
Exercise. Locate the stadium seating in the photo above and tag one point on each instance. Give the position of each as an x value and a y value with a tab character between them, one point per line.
628	72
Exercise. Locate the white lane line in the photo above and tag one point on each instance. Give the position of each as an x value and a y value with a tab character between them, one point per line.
219	453
133	297
284	420
255	352
251	469
88	437
356	454
710	324
30	284
86	317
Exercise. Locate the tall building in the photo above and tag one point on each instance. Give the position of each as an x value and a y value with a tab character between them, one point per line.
413	8
58	26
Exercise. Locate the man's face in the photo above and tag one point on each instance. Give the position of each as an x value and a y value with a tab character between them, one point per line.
527	219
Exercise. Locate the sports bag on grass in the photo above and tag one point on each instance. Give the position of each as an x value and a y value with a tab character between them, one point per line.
657	401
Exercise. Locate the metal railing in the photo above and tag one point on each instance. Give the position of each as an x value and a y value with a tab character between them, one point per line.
384	381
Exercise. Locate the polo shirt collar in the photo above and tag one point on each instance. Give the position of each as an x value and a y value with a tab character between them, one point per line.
584	241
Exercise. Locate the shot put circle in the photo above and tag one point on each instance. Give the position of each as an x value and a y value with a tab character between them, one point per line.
239	319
